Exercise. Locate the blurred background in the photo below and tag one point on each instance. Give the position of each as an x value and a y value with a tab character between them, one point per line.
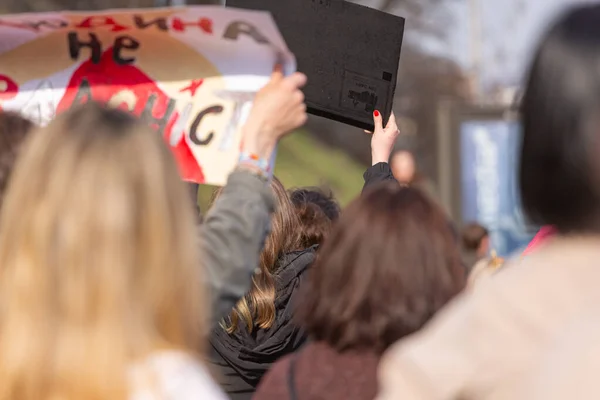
462	66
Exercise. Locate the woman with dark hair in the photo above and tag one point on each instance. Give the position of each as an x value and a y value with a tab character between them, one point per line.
493	339
260	328
388	265
317	211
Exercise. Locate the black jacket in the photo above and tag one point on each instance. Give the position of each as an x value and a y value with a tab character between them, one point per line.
380	172
240	360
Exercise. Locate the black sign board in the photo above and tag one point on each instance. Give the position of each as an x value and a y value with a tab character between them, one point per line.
349	52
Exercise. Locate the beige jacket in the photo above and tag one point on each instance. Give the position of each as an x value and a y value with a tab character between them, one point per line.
570	368
492	342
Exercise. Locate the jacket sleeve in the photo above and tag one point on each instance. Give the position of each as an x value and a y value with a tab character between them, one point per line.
380	172
232	238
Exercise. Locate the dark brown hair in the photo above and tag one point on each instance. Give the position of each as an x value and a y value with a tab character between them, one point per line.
316	210
13	131
472	235
257	308
388	265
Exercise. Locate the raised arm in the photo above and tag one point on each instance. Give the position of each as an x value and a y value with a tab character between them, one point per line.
235	229
382	144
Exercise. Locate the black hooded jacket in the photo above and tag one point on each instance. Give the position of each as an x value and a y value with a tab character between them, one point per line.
241	359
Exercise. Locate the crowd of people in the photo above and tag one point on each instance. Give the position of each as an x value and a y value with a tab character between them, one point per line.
113	287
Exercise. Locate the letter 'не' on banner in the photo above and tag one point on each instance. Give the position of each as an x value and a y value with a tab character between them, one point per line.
191	73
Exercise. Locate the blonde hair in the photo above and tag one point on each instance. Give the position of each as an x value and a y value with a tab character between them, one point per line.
98	259
257	308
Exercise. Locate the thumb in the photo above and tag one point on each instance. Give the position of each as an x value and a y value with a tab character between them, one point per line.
378	120
297	80
392	122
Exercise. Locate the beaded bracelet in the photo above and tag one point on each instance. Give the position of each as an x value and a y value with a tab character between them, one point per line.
256	163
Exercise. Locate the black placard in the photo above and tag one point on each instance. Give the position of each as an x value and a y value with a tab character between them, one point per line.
349	52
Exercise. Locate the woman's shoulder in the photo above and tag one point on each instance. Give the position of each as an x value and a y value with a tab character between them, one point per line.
172	375
275	383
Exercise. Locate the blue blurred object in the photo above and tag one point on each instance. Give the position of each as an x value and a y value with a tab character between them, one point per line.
489	161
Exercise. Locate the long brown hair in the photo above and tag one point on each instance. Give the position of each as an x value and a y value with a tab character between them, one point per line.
389	264
98	259
257	308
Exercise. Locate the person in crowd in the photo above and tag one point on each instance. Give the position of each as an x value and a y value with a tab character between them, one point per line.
383	139
252	338
14	129
100	278
260	328
404	169
490	340
317	210
475	243
234	230
389	264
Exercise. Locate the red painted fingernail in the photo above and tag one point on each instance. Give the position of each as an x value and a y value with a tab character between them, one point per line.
376	113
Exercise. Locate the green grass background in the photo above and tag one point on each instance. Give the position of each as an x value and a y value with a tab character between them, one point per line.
304	161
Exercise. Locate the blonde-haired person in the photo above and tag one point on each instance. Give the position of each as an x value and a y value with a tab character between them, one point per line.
260	329
99	286
101	294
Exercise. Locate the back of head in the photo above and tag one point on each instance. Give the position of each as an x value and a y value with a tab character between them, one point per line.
388	265
14	130
559	171
316	211
404	167
98	256
257	309
472	236
475	243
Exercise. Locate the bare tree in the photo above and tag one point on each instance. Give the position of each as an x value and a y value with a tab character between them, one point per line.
424	17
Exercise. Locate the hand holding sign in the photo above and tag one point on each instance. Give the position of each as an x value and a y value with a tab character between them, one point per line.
383	139
278	109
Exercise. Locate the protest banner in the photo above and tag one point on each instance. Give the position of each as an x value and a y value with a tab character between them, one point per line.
190	72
